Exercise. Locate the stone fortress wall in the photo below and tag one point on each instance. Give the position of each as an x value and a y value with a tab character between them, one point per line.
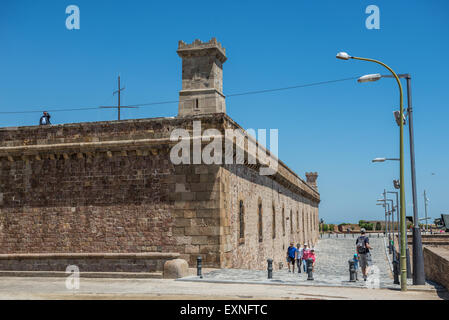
111	187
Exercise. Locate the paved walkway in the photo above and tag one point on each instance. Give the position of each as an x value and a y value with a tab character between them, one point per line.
165	289
332	268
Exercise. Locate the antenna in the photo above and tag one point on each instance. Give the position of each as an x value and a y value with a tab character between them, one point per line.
118	105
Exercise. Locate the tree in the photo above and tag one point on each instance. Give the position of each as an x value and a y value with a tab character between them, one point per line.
378	226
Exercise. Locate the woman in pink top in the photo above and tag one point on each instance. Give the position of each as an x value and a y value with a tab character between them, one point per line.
312	256
305	256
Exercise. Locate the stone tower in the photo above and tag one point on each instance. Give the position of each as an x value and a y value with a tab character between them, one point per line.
311	179
202	78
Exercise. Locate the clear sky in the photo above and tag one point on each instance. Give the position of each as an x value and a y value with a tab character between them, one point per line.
334	129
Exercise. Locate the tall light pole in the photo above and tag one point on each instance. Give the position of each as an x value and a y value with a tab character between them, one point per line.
425	207
345	56
419	277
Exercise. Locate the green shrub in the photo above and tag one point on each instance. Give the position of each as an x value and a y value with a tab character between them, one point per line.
378	226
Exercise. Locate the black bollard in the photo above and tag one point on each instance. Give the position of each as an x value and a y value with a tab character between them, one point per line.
395	267
409	268
352	271
270	268
199	266
309	269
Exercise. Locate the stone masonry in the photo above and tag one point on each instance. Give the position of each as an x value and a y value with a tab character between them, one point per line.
111	187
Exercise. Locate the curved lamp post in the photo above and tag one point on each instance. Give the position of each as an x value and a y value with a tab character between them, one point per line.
346	56
419	277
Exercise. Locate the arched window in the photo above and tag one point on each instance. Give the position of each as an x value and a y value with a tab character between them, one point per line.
241	220
260	222
274	223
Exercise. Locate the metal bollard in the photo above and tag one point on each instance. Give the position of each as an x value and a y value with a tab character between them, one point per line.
395	267
270	268
352	271
309	269
409	268
199	266
337	235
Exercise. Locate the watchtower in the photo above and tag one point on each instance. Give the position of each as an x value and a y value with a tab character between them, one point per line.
202	78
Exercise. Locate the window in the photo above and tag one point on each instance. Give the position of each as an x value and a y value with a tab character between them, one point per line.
274	223
283	222
297	221
304	224
196	104
241	220
260	223
291	221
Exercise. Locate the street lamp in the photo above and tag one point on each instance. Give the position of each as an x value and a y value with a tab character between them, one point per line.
419	277
346	56
383	159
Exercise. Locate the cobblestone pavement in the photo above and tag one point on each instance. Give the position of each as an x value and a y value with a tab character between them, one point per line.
331	269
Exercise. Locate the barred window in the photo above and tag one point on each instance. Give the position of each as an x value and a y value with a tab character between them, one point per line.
291	221
260	223
241	220
283	222
297	221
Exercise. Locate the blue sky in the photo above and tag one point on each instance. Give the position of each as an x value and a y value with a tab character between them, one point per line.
334	129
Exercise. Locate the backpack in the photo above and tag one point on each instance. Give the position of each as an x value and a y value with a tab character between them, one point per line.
361	247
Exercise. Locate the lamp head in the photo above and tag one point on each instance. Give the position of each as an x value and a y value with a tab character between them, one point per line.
369	77
378	160
343	56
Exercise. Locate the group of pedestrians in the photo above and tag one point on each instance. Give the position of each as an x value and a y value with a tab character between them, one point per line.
299	255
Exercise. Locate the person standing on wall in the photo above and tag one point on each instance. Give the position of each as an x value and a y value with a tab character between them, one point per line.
45	119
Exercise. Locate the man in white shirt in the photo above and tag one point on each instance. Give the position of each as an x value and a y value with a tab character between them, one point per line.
299	252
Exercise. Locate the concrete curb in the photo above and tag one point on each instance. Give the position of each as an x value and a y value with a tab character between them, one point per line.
280	283
62	274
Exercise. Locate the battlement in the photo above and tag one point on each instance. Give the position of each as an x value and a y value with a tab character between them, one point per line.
198	44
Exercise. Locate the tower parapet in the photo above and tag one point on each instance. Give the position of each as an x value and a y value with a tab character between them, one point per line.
311	179
202	77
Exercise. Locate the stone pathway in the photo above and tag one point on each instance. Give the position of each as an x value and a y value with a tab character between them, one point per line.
331	269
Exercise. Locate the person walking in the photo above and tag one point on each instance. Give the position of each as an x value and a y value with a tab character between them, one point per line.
45	119
291	256
299	252
363	250
305	256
